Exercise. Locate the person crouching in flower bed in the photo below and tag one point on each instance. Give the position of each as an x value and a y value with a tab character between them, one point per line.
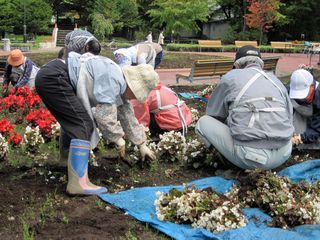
104	89
163	111
20	71
249	115
305	96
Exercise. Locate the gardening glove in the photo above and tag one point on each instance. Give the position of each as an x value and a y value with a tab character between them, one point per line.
296	139
121	147
146	152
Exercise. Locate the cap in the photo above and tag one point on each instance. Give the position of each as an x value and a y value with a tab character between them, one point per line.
247	50
300	83
15	58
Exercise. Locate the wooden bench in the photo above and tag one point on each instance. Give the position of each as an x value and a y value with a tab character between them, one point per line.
210	44
270	63
281	45
240	44
204	69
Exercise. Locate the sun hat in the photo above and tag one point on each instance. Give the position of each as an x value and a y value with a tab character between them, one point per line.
300	83
16	58
141	80
247	50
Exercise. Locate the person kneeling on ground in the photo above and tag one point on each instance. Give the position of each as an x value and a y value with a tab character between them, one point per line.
249	115
20	71
104	89
163	111
141	53
305	96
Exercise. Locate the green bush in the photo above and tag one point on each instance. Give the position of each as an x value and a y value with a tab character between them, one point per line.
230	36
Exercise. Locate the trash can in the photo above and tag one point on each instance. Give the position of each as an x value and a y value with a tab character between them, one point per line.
6	45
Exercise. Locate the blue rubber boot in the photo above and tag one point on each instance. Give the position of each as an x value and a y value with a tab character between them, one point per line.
78	181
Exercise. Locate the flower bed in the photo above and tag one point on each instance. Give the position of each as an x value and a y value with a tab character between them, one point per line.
24	122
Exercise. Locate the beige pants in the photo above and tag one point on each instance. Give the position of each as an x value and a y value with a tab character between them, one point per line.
213	132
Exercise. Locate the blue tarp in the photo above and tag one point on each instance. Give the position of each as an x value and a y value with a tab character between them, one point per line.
139	203
192	96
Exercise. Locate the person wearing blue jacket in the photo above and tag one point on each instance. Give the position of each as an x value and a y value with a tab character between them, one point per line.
305	96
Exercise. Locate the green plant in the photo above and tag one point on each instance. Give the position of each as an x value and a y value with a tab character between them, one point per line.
47	210
27	233
99	204
65	219
130	236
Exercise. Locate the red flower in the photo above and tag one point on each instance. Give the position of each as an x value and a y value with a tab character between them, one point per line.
42	118
5	126
14	138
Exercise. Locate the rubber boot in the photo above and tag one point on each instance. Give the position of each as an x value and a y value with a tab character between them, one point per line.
78	181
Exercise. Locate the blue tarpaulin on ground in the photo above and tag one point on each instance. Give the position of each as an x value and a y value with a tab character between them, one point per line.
139	203
192	96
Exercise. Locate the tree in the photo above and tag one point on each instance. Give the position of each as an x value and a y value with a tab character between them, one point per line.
179	15
37	14
262	14
7	17
302	16
110	15
83	8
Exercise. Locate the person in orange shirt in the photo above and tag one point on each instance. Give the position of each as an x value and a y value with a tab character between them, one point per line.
163	111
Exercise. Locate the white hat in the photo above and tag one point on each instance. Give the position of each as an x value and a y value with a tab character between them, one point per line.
300	83
141	80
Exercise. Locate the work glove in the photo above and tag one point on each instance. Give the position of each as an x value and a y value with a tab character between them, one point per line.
296	139
121	147
146	152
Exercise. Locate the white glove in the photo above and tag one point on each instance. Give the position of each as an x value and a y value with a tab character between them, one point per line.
146	152
296	139
121	147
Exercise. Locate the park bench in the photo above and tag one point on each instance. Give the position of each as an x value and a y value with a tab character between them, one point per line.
210	44
204	69
270	63
240	44
281	45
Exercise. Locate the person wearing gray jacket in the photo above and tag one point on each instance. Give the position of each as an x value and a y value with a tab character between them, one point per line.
249	115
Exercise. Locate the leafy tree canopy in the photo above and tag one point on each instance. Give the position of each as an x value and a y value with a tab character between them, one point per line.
179	15
37	15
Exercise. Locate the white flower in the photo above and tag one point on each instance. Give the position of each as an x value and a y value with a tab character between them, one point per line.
4	147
